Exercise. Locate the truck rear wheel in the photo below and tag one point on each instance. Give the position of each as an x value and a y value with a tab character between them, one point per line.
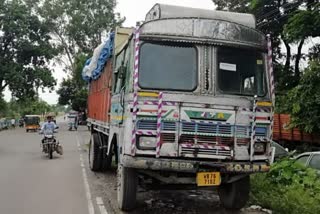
235	195
107	159
127	182
95	153
99	161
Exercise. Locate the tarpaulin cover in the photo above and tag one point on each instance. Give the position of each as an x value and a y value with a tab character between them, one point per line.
94	66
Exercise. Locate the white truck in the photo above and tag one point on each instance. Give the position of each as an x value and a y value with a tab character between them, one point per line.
184	99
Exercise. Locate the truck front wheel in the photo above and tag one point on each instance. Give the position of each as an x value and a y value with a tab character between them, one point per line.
235	195
127	183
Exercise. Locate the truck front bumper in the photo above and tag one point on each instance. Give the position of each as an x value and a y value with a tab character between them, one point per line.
193	166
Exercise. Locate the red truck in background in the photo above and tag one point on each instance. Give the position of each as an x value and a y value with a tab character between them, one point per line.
283	134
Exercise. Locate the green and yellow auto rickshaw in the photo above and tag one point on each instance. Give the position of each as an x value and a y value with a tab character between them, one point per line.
32	122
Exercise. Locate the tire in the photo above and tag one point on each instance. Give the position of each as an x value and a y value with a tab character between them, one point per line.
107	159
235	195
27	130
127	182
106	162
95	154
50	152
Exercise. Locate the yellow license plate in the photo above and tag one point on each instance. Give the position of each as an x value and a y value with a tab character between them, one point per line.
208	178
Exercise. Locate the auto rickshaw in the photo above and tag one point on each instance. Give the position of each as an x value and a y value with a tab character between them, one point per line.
32	122
73	120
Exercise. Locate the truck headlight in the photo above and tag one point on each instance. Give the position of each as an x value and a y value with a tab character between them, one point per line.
259	147
147	142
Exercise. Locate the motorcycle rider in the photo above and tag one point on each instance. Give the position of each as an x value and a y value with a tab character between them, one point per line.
50	125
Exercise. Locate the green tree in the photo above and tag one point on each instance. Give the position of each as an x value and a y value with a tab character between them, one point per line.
3	107
302	24
25	50
79	27
17	108
73	91
241	6
305	100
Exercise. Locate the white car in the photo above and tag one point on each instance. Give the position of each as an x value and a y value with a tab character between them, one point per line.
309	159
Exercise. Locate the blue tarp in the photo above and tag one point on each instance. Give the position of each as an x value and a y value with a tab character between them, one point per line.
93	68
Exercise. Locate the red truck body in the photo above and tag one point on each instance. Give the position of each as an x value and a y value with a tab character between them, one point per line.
282	132
99	98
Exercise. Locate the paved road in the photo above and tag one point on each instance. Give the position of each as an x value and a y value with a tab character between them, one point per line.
30	183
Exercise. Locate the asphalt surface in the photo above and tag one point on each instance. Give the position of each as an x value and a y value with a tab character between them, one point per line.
31	183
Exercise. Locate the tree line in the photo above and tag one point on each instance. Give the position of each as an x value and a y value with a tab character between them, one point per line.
38	37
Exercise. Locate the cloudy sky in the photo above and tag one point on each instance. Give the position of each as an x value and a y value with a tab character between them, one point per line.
133	11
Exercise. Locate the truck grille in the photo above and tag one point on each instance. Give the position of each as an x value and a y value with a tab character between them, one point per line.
168	137
203	128
203	133
206	139
169	126
205	150
147	125
152	125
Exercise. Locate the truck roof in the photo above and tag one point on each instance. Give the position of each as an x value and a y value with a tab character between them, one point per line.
163	11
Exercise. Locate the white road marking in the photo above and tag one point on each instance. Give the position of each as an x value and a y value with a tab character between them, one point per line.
85	181
101	205
78	144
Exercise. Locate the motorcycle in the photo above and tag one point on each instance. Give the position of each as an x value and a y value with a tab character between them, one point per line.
50	144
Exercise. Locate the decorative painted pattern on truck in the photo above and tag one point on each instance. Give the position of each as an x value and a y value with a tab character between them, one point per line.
253	126
272	89
135	89
224	128
159	117
217	116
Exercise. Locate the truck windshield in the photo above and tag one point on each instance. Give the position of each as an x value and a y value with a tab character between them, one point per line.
241	72
168	67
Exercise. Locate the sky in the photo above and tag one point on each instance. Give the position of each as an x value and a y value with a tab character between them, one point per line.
133	11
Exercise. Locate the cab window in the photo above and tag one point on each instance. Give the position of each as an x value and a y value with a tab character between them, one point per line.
315	162
303	159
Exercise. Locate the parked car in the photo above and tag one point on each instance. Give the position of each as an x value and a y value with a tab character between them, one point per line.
309	159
